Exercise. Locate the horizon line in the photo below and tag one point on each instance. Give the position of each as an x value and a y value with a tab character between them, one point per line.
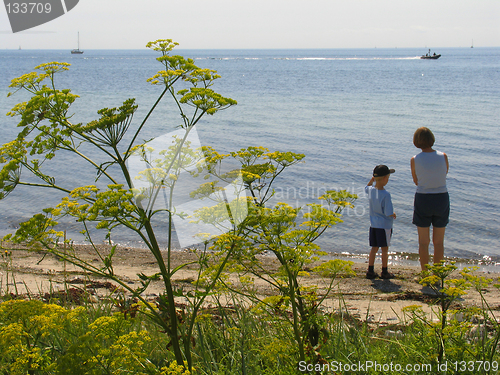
269	48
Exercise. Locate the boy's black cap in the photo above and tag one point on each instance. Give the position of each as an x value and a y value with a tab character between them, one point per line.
382	170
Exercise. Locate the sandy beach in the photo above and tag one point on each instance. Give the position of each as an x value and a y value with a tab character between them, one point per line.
377	301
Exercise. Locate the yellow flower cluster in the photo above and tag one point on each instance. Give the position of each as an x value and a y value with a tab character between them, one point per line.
205	99
175	369
32	80
165	76
335	268
102	206
30	335
53	67
24	327
163	45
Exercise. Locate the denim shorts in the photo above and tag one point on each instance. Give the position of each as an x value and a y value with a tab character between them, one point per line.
431	209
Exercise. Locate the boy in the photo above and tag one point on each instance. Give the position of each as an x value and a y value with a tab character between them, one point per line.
381	218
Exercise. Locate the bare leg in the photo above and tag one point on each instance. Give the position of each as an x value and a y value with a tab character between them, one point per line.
385	256
438	241
423	246
373	254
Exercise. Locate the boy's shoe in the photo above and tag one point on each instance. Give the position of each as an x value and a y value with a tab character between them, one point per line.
371	275
386	275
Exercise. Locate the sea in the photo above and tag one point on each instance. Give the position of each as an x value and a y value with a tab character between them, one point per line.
347	110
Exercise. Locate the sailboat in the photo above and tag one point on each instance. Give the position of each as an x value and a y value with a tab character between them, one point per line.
77	51
472	44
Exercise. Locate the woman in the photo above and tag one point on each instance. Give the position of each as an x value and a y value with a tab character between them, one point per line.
432	202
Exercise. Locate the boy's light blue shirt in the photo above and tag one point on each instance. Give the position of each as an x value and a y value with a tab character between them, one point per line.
380	208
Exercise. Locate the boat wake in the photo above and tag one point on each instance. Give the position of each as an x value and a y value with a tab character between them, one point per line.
311	58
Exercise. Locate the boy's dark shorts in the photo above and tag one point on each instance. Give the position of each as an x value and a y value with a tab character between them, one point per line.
431	209
380	237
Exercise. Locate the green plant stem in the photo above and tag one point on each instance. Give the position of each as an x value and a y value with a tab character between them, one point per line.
169	291
198	305
45	186
131	144
68	125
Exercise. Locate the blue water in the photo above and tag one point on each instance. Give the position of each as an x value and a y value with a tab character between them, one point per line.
347	110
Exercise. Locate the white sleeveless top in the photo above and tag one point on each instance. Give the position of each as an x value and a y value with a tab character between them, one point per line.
431	171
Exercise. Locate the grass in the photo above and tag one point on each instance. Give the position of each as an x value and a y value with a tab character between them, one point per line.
72	331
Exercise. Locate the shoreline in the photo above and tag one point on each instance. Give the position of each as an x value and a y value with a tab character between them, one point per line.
396	258
412	259
376	301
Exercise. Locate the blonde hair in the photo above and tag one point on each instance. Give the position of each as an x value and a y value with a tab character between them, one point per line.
423	138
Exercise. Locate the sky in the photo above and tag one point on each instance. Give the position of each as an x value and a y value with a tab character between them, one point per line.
254	24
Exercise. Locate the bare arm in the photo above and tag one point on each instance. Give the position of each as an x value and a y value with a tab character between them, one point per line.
413	172
370	183
447	164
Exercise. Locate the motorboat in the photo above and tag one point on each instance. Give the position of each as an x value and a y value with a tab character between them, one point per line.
429	56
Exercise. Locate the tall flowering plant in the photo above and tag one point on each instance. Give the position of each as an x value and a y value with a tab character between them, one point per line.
113	199
287	233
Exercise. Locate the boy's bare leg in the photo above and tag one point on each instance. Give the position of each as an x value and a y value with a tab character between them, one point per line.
438	241
424	240
371	257
385	256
